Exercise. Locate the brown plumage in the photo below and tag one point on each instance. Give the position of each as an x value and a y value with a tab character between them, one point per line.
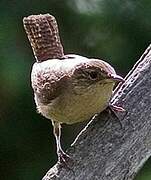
72	90
67	88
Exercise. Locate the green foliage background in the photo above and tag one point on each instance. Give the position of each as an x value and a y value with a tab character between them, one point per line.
117	31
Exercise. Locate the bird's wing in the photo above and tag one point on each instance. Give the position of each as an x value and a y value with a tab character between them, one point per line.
47	85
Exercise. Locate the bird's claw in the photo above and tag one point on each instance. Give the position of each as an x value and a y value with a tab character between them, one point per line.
117	108
113	108
64	159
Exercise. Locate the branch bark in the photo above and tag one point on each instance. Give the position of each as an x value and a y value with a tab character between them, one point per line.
105	150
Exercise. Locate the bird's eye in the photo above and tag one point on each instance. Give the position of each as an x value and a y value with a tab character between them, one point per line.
93	75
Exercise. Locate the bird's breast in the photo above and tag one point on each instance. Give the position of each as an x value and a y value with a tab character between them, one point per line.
72	108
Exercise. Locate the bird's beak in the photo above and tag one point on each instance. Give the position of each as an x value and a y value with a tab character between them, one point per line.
116	77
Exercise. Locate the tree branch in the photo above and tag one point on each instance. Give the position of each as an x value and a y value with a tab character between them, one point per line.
105	150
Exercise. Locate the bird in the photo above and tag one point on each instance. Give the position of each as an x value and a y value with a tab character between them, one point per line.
67	88
72	89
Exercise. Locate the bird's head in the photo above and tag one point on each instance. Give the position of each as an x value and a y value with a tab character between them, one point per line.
94	73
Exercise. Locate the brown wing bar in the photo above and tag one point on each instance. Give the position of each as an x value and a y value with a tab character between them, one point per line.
43	35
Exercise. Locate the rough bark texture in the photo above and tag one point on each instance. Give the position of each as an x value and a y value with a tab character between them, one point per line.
104	149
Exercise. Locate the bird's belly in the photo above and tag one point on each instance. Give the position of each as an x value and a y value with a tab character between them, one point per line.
77	108
73	109
73	113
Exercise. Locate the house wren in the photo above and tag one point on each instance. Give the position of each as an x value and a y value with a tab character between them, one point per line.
67	88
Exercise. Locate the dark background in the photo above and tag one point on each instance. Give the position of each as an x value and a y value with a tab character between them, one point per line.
117	31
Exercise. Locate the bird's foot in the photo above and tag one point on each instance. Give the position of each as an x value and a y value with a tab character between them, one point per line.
117	108
64	159
113	109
